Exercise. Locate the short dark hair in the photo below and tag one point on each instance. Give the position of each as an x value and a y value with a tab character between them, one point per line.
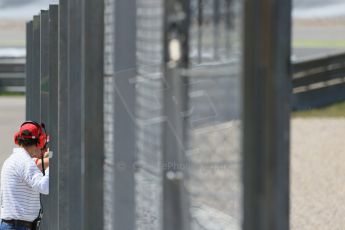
25	142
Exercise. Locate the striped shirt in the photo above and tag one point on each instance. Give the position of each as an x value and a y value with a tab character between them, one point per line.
21	185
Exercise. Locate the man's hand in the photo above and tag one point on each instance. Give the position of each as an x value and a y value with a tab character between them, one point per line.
45	152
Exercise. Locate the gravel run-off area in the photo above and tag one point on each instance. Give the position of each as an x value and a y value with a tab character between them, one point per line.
318	174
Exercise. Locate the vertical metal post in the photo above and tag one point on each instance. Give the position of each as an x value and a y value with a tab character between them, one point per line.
53	117
200	32
267	85
92	113
63	111
176	58
216	25
28	69
36	83
75	158
124	123
228	24
44	95
44	73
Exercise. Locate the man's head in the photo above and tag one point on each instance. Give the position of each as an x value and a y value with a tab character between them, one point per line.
32	137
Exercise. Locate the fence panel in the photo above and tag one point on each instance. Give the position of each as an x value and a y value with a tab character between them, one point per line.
28	70
53	106
149	114
63	111
213	154
92	141
266	116
175	98
124	122
36	83
44	67
109	114
44	93
74	149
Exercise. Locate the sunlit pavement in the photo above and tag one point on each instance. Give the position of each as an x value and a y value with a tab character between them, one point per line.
12	114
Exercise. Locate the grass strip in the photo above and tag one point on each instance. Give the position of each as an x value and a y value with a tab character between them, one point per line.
336	110
319	43
12	94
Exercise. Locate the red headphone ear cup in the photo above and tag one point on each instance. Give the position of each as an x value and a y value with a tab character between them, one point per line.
16	137
42	141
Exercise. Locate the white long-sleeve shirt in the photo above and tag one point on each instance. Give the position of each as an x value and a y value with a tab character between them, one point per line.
21	185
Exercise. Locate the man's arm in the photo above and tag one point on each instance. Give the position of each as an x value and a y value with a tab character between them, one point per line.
39	163
35	179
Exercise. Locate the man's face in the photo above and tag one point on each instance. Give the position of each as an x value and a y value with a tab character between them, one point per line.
36	152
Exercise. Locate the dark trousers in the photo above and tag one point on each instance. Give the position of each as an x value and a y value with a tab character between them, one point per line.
6	226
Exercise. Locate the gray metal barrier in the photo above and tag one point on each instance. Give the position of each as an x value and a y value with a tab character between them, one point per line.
144	102
65	91
319	82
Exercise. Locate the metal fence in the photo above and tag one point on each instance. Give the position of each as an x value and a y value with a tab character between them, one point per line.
318	82
214	128
65	91
144	101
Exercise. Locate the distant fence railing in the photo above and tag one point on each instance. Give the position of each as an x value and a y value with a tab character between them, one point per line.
12	75
318	82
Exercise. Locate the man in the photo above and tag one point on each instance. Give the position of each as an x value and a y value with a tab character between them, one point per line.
22	181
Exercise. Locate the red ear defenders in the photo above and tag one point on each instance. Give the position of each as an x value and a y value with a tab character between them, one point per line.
36	131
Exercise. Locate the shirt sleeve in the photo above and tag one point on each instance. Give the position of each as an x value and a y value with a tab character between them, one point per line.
35	179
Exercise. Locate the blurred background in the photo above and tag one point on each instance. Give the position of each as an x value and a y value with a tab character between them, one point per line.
318	26
13	15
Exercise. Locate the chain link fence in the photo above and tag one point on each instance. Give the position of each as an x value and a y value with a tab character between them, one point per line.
149	114
214	151
108	113
212	178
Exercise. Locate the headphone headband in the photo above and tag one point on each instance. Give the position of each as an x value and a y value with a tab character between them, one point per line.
32	122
